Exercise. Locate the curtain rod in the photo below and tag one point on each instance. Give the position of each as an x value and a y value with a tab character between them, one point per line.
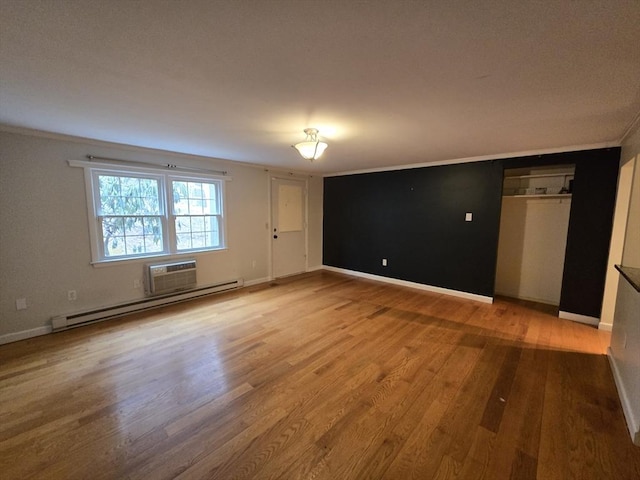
169	166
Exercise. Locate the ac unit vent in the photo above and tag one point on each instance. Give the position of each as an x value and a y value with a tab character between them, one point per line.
171	277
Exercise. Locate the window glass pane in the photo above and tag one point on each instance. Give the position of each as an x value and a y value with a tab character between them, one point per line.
195	206
180	198
152	245
150	205
212	232
195	198
184	241
183	224
211	196
110	197
131	235
134	244
132	204
114	246
203	232
109	185
148	188
152	226
198	240
197	224
130	186
121	195
111	226
132	226
195	190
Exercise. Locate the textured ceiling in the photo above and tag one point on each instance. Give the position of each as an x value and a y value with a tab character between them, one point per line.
386	82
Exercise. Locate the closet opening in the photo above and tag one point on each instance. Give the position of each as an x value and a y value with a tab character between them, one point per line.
534	221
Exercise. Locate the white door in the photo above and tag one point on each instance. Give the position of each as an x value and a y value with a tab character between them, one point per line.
288	227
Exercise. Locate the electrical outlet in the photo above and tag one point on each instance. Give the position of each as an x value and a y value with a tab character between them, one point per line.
384	262
72	295
253	264
21	303
468	217
137	283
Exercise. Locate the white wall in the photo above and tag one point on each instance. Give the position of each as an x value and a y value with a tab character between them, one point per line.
624	351
531	246
618	236
44	239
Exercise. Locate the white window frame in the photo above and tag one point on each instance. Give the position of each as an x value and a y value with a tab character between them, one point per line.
98	216
93	169
172	215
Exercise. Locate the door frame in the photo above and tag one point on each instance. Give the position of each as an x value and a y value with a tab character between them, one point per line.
305	185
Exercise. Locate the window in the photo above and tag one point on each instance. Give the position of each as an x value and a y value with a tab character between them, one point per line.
141	214
196	213
129	215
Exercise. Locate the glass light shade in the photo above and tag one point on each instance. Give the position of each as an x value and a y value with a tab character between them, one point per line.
310	150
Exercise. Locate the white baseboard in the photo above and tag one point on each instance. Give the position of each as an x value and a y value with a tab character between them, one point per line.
576	317
316	268
633	424
256	281
24	334
405	283
607	327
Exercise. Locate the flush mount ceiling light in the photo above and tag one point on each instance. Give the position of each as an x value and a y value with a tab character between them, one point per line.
311	148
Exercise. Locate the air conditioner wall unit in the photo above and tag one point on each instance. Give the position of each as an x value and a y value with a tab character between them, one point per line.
163	278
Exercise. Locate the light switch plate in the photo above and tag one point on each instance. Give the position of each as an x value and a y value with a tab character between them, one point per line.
21	304
468	217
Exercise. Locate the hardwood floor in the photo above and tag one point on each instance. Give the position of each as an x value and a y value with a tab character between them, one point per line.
317	377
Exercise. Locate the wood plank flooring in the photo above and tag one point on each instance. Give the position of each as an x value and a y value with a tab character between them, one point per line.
320	376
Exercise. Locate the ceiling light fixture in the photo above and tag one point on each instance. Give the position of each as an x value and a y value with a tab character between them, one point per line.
311	148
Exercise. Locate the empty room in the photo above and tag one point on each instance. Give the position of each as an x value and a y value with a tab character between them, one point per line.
319	240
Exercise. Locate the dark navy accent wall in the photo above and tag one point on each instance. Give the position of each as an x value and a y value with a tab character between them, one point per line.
589	237
415	219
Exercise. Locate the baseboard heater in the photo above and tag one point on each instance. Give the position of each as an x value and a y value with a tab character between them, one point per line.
64	322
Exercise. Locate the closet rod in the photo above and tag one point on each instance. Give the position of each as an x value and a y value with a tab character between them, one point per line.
170	166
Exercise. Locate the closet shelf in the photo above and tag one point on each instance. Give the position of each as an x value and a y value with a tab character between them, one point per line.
542	195
543	175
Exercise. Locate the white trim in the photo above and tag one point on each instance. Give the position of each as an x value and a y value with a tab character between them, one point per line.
269	226
576	317
406	283
316	268
24	334
481	158
606	327
633	424
154	169
256	281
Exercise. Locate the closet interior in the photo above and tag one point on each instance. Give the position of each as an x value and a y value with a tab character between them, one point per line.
534	221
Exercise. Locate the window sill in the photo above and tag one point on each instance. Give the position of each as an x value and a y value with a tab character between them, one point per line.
154	258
